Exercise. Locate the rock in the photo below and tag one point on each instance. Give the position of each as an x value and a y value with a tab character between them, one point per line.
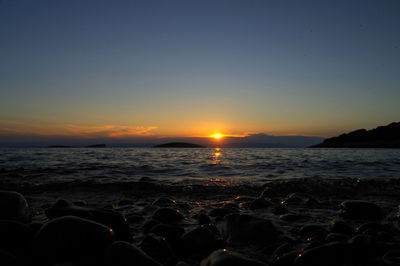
313	230
71	238
8	259
247	229
361	210
341	227
224	257
281	250
13	206
110	218
286	259
221	212
125	202
203	218
280	209
134	218
260	203
167	215
332	254
293	217
125	254
171	233
15	238
158	249
391	258
147	226
230	205
164	202
336	237
199	240
371	228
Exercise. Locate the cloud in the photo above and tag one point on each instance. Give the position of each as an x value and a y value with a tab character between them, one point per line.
72	130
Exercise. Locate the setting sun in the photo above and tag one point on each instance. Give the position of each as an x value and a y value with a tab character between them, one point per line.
217	136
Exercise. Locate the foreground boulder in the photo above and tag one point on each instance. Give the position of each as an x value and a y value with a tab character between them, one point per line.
71	239
361	210
167	215
248	229
15	238
200	240
13	206
124	254
224	257
110	218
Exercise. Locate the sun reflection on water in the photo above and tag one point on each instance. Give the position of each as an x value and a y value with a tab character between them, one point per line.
216	156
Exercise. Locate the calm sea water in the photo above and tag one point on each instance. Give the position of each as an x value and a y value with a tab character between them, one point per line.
206	166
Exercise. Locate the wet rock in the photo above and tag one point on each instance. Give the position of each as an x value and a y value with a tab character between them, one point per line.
336	237
203	218
134	218
15	238
171	233
361	210
247	229
286	259
71	238
125	254
199	240
341	227
164	202
110	218
370	228
331	254
293	217
280	209
125	202
224	257
221	212
8	259
281	250
230	205
391	258
13	206
158	249
167	215
260	203
147	226
313	230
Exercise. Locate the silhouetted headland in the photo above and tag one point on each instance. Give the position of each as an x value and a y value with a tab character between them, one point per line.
179	145
380	137
96	146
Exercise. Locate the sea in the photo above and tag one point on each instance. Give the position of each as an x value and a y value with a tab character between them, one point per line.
201	166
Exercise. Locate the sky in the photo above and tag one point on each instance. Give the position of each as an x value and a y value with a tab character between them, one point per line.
121	69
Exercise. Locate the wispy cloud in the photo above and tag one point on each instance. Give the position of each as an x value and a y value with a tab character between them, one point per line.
72	130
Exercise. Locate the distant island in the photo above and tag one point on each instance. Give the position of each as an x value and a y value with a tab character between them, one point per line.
380	137
179	145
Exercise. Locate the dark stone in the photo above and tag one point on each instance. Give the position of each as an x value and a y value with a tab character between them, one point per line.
313	230
8	259
158	249
70	238
260	203
361	210
281	250
15	238
147	226
125	254
199	241
168	215
110	218
224	257
280	209
164	202
247	229
286	259
293	217
221	212
370	228
336	237
125	202
13	206
171	233
134	218
391	258
230	205
203	219
332	254
341	227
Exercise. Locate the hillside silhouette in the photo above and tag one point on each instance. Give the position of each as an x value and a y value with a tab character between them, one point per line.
380	137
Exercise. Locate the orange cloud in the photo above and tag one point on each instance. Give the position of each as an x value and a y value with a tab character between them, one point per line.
71	130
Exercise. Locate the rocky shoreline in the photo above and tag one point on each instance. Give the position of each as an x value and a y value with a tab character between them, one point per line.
289	222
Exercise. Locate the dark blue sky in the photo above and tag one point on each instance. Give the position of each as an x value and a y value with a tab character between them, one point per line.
193	68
